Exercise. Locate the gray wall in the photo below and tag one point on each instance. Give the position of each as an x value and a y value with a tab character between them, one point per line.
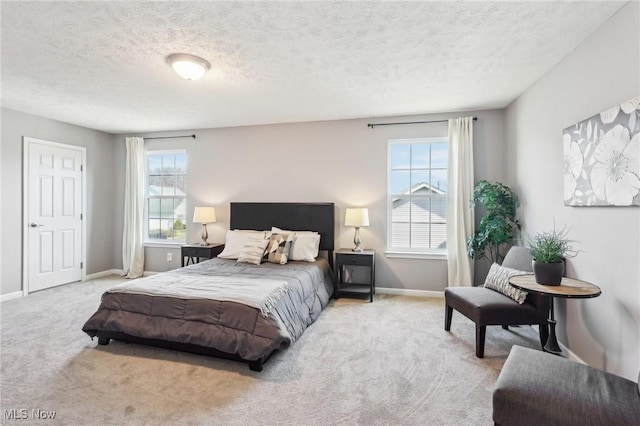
602	72
345	162
340	161
100	194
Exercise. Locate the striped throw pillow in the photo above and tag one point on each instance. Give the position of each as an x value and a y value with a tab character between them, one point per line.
498	280
253	251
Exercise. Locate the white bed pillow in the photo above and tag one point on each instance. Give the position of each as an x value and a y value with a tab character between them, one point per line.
253	232
253	250
236	240
305	245
284	231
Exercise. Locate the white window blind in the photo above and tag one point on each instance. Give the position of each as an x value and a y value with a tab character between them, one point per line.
165	210
417	195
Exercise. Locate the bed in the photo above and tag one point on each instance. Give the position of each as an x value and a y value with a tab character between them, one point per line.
224	308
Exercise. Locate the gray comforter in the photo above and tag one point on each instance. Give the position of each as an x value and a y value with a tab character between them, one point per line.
219	304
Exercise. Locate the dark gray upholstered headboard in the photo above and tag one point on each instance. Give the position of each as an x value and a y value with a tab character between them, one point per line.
319	217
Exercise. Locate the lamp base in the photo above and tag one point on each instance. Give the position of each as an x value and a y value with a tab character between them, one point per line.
357	240
205	235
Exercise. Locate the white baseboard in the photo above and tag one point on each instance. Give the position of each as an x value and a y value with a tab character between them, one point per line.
19	294
566	352
114	272
89	277
571	355
103	274
11	296
407	292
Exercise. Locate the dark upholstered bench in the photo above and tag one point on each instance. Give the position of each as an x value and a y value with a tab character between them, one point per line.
536	388
488	307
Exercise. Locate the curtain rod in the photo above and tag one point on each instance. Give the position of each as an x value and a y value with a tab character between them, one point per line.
171	137
372	125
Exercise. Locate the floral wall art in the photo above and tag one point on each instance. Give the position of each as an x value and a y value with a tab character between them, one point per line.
602	158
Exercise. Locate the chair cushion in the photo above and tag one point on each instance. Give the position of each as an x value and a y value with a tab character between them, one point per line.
535	388
488	307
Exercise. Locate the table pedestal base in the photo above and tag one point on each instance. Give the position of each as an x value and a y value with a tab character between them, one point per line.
568	288
552	345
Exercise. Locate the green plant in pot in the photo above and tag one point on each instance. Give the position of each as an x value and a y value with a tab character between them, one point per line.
498	226
549	250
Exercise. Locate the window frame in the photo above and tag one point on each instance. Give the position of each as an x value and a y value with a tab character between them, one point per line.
160	242
407	252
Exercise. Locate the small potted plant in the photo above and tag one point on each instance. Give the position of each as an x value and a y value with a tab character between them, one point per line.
549	250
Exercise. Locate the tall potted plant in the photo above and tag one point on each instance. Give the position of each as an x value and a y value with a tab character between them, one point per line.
549	250
498	226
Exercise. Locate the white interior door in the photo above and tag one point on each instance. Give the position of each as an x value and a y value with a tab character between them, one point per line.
53	208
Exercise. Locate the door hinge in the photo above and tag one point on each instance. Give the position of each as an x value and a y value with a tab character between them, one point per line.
81	265
81	167
81	216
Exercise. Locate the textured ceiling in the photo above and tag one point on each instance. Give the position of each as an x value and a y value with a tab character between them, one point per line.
102	64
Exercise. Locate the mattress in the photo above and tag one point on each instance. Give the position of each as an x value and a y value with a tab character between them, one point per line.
236	308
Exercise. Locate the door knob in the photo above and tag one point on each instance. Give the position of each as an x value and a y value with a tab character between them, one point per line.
35	225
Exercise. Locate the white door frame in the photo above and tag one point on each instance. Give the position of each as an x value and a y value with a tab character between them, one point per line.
26	143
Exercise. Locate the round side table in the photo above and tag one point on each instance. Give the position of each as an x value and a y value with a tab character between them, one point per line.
569	288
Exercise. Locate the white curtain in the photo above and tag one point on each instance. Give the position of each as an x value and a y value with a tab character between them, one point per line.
133	233
460	214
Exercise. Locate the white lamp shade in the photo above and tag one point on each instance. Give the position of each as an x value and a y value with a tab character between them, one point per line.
357	217
188	67
204	215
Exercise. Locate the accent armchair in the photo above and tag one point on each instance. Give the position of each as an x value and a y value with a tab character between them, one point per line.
488	307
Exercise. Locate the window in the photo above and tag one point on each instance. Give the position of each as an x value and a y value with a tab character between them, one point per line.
417	196
166	196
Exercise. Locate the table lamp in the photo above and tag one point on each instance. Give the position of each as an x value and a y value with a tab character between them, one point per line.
204	215
357	217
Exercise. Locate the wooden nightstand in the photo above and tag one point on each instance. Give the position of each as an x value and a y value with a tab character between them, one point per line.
366	259
194	252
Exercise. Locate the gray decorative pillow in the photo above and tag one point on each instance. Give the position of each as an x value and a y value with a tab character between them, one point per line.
498	280
278	248
253	251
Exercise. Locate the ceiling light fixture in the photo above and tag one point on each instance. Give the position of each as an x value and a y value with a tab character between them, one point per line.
189	67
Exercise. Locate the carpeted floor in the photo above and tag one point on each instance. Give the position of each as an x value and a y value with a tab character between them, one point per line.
383	363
